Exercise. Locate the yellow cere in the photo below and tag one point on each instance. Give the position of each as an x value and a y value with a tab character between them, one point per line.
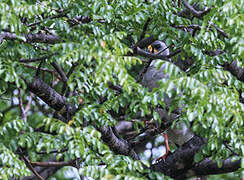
151	49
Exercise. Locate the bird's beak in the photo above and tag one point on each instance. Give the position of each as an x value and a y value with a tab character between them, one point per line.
151	49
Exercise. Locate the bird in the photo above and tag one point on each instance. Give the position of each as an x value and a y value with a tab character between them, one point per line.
180	133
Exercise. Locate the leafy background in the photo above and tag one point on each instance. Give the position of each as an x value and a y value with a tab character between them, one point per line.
97	48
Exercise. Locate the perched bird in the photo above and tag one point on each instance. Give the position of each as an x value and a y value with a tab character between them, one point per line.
180	134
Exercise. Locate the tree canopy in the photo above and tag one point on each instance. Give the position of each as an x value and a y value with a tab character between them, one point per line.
71	92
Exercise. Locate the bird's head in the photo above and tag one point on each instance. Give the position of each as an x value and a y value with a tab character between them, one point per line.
158	47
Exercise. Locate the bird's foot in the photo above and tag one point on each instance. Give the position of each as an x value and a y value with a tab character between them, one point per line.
163	157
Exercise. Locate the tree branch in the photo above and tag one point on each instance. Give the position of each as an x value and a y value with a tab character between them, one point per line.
194	11
235	70
207	167
58	102
180	164
118	145
51	97
30	38
186	13
181	160
176	164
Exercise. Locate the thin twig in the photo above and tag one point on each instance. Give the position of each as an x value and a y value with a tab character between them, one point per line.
42	69
148	135
230	149
60	71
115	87
150	55
38	69
174	53
165	49
28	105
68	75
28	164
137	134
192	26
214	53
72	69
53	17
53	151
144	69
21	106
36	59
46	112
145	28
53	164
198	27
219	30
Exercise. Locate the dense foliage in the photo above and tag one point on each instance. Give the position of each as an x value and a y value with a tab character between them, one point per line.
70	70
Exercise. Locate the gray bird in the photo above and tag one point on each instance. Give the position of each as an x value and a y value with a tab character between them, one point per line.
180	134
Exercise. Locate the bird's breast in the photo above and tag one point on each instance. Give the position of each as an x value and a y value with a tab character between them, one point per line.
179	135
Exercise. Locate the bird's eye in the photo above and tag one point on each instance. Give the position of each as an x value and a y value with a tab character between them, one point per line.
150	48
157	46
